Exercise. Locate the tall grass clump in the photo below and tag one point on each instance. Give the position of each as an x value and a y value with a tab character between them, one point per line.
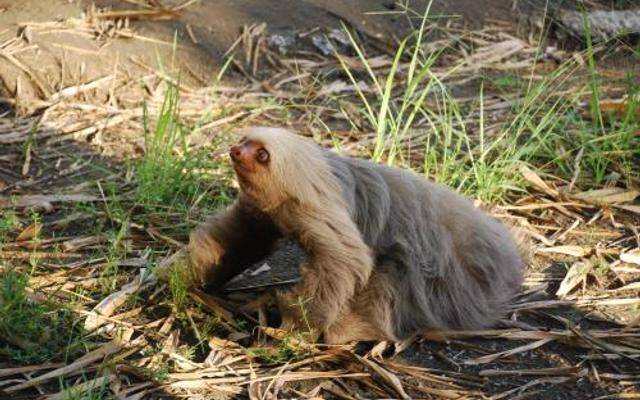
594	146
161	171
169	175
414	117
417	124
392	119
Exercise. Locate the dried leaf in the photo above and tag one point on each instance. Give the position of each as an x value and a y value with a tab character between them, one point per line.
80	242
631	257
633	209
30	232
390	378
89	358
617	106
492	357
536	181
612	195
574	276
570	250
109	304
254	387
35	200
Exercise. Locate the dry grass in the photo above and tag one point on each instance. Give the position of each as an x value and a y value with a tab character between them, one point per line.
78	241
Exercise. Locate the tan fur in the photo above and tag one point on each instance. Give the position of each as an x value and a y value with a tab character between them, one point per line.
389	253
304	200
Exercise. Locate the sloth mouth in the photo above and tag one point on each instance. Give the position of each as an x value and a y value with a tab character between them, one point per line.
241	168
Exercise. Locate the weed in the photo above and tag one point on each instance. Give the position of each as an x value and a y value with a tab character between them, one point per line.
179	282
287	350
159	373
507	81
85	390
8	223
118	247
169	173
209	325
546	127
602	267
291	347
240	323
28	325
392	121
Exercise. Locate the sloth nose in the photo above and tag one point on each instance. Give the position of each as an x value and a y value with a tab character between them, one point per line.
235	153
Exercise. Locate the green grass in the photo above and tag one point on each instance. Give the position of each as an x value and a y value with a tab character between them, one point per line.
86	390
9	222
170	176
391	119
161	171
180	280
37	332
288	350
545	127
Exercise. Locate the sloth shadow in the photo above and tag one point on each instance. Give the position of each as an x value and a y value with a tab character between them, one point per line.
447	356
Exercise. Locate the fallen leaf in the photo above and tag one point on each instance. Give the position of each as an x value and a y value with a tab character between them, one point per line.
77	366
631	257
536	181
36	200
109	304
30	232
389	377
617	106
522	349
575	275
576	251
633	209
612	195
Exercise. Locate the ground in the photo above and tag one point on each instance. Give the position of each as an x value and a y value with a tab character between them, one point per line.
115	119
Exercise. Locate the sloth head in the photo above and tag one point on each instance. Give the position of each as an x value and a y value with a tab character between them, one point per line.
275	165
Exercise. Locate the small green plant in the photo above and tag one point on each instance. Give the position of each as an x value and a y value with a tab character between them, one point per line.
36	331
8	223
392	119
240	323
209	325
294	346
118	247
159	373
179	282
160	174
288	350
165	173
507	81
86	390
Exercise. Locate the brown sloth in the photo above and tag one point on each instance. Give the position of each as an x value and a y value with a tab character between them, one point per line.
390	253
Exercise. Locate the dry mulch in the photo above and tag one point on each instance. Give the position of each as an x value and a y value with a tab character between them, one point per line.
573	332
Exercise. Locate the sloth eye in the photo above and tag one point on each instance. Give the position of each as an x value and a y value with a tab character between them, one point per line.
262	155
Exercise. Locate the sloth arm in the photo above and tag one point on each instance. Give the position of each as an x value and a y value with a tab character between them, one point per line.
230	242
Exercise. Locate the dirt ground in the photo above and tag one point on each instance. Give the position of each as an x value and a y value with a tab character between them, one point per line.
204	31
101	66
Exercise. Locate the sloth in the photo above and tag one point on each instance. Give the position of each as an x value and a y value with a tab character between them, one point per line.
390	253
